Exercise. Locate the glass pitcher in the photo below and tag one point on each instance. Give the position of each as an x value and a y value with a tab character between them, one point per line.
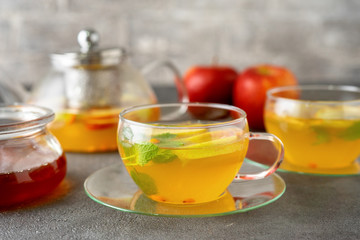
87	90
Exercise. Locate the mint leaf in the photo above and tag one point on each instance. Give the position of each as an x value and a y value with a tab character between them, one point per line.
144	182
150	152
165	140
322	136
128	148
146	152
170	144
129	152
164	156
165	136
352	132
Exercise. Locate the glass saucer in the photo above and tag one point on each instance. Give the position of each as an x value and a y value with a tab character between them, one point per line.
354	169
285	166
113	187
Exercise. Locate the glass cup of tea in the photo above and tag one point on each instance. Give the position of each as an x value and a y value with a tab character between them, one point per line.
319	125
188	153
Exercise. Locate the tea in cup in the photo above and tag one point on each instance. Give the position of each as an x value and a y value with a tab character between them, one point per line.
190	153
319	125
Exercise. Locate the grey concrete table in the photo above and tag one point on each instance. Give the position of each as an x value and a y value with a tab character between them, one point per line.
311	208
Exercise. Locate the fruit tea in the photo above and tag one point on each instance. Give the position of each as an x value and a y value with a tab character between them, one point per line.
183	166
318	141
89	131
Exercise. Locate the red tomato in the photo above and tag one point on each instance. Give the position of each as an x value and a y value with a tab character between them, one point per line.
249	92
210	83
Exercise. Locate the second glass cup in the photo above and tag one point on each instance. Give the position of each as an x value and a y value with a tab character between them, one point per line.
188	153
319	125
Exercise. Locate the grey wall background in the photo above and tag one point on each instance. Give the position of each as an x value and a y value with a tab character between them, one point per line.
319	40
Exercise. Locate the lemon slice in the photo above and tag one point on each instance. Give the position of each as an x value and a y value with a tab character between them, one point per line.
211	148
294	123
338	113
334	117
213	143
213	135
180	133
330	113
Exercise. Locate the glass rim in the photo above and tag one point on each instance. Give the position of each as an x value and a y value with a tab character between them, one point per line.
184	104
324	87
42	117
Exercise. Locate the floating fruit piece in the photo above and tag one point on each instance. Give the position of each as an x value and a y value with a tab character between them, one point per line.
211	148
213	135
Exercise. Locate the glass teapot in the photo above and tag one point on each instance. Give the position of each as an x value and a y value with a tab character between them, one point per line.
87	90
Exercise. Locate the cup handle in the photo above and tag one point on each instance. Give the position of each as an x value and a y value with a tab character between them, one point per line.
179	83
279	158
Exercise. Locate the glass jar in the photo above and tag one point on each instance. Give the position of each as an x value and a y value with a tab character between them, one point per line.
32	162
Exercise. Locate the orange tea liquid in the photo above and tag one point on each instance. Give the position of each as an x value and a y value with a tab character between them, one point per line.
90	131
317	143
187	167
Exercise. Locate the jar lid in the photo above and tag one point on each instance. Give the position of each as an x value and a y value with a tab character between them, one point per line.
89	53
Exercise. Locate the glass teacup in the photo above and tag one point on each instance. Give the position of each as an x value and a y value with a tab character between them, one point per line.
319	125
188	153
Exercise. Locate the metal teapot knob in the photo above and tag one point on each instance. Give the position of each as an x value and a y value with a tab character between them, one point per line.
88	39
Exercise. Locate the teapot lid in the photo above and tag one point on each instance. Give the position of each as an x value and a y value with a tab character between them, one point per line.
89	53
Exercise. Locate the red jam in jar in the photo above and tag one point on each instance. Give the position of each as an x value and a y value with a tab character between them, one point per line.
32	162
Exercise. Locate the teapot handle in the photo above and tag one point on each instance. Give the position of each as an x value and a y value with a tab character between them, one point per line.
11	91
179	83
